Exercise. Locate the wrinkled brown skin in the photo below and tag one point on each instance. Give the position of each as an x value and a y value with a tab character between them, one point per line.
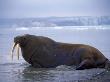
43	52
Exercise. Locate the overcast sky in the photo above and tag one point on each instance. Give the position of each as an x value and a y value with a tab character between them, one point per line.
59	8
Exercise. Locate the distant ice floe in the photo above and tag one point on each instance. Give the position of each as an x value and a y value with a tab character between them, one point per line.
84	27
58	27
22	28
88	27
64	28
43	24
35	27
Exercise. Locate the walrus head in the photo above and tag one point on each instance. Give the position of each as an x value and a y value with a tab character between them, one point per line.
19	41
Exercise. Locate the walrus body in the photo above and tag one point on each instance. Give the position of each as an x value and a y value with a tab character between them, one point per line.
43	52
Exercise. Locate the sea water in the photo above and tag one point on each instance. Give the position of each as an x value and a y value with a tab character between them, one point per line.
20	71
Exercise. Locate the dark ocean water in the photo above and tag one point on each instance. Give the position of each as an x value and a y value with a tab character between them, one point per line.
20	71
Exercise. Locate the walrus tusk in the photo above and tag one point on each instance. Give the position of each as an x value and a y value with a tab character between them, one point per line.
13	47
12	51
17	51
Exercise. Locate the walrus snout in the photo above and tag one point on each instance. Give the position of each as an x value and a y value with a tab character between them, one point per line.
17	41
21	40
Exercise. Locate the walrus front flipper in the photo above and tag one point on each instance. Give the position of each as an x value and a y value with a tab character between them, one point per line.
36	65
86	64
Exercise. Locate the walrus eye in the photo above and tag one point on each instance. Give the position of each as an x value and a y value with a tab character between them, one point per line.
24	38
22	41
16	39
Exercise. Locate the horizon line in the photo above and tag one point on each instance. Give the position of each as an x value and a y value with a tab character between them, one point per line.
51	17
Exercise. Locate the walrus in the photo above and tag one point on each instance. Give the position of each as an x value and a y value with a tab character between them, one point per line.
43	52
